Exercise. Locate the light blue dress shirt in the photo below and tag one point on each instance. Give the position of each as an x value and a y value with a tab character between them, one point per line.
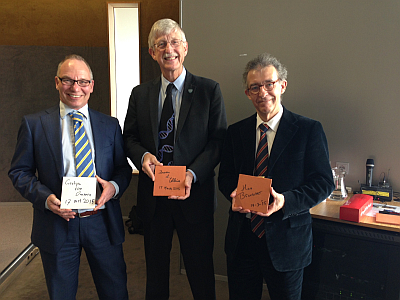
68	149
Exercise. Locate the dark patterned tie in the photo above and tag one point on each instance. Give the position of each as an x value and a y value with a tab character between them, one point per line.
83	152
166	130
260	169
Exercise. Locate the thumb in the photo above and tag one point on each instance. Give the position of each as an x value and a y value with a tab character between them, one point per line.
54	200
99	180
233	194
273	193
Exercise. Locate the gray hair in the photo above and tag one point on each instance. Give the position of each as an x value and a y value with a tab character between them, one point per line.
264	60
77	57
164	27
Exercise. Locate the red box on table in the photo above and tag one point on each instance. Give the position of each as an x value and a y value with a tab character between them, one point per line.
356	207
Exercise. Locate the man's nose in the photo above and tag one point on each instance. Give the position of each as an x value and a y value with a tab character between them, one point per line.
168	47
75	86
263	91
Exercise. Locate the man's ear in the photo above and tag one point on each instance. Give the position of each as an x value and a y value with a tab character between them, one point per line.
56	80
247	93
151	52
283	86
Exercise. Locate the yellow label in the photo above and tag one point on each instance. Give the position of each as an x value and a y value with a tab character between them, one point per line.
376	193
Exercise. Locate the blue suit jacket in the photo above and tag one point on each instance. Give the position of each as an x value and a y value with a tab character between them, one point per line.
299	168
198	140
37	171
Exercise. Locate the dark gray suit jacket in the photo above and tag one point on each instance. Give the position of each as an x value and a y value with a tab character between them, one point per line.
37	171
299	168
198	140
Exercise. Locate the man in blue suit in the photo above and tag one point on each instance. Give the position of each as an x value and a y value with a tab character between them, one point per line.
297	161
44	155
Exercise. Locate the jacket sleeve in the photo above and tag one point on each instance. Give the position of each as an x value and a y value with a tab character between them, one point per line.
316	180
122	170
205	162
138	133
23	171
228	175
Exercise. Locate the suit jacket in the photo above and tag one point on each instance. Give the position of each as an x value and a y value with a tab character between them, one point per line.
198	140
299	168
37	171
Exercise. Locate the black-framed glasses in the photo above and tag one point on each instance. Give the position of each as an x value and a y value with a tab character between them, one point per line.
268	86
70	82
163	44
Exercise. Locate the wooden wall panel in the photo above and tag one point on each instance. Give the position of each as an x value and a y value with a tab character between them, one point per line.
35	36
27	85
73	23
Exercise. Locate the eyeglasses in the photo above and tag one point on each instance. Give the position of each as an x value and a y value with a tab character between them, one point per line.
70	82
163	44
268	86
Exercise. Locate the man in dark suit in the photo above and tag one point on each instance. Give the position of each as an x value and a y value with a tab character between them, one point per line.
44	155
199	129
297	161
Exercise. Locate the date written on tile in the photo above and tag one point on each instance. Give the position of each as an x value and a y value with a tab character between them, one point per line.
169	181
78	192
253	193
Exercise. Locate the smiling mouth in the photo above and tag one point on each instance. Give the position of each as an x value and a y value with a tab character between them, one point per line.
265	99
74	96
170	57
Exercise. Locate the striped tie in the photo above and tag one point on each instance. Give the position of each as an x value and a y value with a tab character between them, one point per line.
261	164
83	152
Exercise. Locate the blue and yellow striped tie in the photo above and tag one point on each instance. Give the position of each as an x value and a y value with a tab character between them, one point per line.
83	151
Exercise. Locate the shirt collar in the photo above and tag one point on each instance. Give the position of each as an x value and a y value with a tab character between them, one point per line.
274	121
178	83
65	110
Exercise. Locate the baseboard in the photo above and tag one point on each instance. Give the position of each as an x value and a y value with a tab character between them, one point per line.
16	266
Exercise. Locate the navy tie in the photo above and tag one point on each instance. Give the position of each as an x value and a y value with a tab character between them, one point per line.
166	130
260	169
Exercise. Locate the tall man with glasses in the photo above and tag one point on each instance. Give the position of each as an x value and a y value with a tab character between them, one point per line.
47	150
197	124
296	158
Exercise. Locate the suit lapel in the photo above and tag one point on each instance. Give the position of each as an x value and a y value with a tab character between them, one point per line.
248	137
189	89
286	130
98	130
154	93
52	130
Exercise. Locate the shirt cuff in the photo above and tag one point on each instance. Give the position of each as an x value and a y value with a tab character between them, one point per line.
143	157
194	175
116	188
